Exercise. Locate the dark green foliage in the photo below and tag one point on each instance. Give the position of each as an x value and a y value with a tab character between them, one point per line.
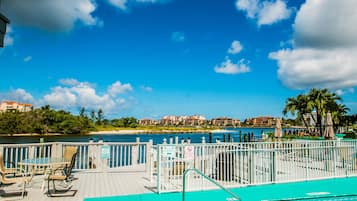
351	135
321	101
43	121
125	122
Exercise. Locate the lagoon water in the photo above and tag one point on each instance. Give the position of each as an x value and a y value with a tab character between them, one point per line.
157	138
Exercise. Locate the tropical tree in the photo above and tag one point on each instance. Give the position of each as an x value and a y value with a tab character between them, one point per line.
100	116
92	115
320	101
298	107
82	112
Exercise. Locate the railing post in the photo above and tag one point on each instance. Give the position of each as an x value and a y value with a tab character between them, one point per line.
2	150
92	155
31	153
158	169
307	156
148	163
334	159
100	161
135	152
56	150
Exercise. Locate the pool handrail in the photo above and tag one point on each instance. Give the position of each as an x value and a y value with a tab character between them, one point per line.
236	197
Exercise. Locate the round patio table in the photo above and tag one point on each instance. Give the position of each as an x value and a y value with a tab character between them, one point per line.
47	163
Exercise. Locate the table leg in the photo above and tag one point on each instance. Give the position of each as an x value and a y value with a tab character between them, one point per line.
46	173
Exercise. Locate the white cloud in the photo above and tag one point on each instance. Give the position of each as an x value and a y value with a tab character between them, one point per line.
235	48
178	37
125	4
19	95
306	67
341	92
76	94
147	88
325	47
9	38
265	12
273	12
249	6
119	88
28	58
119	3
69	81
326	24
227	67
51	15
61	97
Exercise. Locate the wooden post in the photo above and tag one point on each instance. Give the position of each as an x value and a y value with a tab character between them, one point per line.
31	153
56	150
148	164
135	152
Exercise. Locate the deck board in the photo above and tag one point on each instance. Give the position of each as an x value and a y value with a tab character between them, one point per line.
91	184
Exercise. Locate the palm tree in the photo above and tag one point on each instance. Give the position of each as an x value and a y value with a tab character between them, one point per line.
320	99
339	111
298	106
100	115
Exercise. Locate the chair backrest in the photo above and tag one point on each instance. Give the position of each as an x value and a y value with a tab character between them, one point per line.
2	170
69	151
2	164
71	165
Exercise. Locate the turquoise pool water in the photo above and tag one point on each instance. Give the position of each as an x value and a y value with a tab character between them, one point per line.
328	190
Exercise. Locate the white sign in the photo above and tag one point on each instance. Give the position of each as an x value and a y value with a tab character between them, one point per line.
189	153
169	151
105	152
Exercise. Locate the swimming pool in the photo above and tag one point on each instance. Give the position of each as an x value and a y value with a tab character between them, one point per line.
330	189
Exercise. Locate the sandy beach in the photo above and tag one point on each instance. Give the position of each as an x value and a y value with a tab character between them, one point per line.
125	132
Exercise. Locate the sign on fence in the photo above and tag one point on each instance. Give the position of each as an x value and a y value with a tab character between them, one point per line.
105	152
189	153
169	151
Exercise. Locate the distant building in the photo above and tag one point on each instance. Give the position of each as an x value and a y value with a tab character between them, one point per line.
7	106
261	121
225	121
170	120
194	120
148	122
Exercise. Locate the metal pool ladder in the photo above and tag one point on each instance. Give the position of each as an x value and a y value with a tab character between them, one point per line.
235	197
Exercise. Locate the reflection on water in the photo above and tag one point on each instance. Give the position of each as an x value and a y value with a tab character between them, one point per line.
157	138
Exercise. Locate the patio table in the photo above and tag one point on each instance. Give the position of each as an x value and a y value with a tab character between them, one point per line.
47	163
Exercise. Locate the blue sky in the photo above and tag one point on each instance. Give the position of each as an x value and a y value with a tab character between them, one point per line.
149	58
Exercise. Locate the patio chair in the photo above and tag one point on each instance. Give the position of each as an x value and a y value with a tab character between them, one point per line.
13	181
63	174
8	171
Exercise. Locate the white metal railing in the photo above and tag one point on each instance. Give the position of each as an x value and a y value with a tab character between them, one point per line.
15	153
120	156
240	164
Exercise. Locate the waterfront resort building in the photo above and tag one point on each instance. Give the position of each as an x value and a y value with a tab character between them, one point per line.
225	121
8	106
260	121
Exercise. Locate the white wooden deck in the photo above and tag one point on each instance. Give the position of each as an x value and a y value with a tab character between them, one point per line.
90	184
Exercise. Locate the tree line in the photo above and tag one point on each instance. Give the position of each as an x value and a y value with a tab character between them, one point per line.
320	102
45	120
